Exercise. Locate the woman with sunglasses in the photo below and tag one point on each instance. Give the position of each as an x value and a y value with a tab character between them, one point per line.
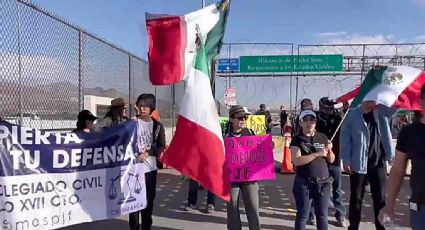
311	152
249	190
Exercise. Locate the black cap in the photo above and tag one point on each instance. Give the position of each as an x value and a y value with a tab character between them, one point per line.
326	105
262	106
86	115
326	101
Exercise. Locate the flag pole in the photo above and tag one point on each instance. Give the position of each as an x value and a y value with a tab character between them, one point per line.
340	123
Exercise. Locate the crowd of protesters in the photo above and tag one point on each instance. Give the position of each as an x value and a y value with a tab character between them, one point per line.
324	143
150	143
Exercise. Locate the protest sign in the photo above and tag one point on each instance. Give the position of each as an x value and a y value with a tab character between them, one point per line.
49	181
249	158
257	123
278	143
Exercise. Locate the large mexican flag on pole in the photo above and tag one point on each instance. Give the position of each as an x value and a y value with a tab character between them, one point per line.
392	86
177	52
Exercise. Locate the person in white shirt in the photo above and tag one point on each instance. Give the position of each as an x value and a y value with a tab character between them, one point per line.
150	143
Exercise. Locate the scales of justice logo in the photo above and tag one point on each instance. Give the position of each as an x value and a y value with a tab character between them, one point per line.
131	182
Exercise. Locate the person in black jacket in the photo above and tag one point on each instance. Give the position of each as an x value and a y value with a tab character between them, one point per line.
327	123
150	143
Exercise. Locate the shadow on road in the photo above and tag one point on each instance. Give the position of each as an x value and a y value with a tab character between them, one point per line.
276	202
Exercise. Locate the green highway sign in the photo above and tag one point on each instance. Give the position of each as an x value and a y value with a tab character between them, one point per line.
291	63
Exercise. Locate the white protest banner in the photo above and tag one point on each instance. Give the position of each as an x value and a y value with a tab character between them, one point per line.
49	181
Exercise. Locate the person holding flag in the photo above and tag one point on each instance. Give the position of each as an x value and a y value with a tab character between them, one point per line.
328	120
311	152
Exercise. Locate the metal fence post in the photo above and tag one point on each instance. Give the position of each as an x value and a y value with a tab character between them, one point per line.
230	53
297	80
290	80
80	71
130	91
173	107
363	63
19	65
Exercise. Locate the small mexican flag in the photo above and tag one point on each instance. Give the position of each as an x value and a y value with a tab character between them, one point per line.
392	86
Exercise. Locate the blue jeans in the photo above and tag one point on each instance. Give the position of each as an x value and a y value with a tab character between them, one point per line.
417	218
335	174
304	193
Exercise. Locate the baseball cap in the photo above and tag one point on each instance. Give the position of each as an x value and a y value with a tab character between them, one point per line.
86	115
237	111
307	113
306	103
326	101
326	105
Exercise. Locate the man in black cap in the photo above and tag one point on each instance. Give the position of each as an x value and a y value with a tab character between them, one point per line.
327	123
265	112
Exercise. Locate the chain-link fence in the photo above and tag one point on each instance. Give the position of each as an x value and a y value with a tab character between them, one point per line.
51	69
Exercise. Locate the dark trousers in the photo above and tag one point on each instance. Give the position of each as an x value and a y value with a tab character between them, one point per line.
192	197
377	178
150	179
335	173
305	194
251	200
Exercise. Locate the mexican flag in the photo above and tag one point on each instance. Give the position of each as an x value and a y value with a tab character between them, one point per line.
392	86
197	148
172	45
177	52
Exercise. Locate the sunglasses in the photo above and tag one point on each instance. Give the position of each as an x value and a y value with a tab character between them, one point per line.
242	118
